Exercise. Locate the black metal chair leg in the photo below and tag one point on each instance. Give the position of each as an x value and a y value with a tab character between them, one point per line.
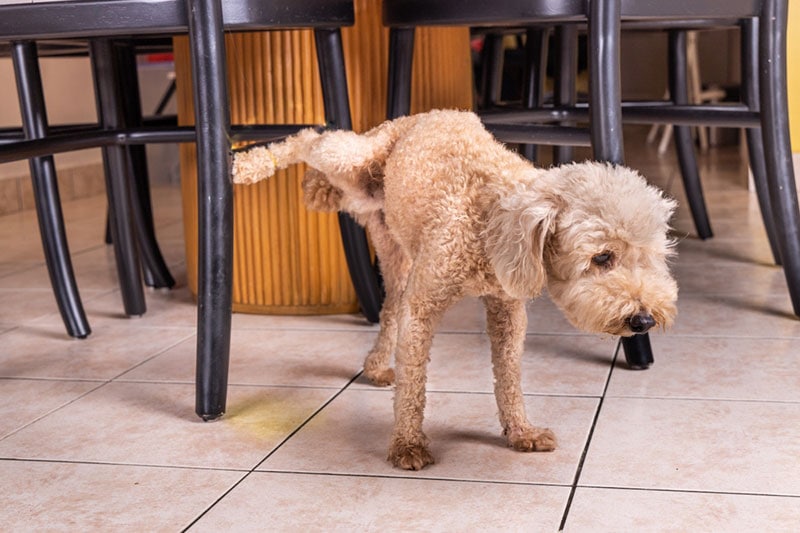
755	145
606	122
215	206
365	277
684	145
535	73
401	61
45	190
777	148
491	73
155	270
116	163
565	93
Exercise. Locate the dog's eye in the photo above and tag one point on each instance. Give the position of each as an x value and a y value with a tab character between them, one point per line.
603	260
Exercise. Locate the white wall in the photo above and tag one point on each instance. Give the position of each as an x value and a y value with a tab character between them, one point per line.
69	96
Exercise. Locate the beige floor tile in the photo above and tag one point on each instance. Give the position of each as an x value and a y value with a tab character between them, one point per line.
714	446
271	357
721	251
173	307
736	315
352	435
300	323
19	306
613	511
32	351
551	364
25	401
94	270
41	496
296	502
155	424
735	278
715	368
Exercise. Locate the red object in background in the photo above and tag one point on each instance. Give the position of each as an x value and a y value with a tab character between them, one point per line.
476	43
164	57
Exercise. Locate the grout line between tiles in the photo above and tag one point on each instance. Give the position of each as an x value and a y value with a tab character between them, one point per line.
693	491
414	478
133	465
582	459
275	449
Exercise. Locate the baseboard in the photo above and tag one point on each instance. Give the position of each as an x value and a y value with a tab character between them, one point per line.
16	192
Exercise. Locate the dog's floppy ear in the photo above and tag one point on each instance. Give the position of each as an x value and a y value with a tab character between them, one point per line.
515	237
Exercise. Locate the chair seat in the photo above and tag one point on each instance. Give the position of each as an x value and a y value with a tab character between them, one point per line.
513	13
87	18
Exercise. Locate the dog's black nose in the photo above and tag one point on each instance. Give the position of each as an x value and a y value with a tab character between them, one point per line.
640	322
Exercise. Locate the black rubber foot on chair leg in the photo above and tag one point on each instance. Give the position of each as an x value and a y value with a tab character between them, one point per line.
211	418
638	353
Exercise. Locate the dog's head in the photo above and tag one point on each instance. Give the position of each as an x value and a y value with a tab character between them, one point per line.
596	236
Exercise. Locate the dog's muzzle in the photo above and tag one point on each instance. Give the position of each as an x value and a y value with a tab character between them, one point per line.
640	322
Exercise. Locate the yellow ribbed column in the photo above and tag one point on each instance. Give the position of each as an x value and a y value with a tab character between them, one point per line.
288	260
793	74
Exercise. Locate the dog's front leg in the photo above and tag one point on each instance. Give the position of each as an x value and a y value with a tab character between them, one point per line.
506	324
419	313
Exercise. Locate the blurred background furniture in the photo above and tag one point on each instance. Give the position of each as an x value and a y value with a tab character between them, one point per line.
103	22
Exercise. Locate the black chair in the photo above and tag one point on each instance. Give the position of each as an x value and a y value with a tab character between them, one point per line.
765	107
104	22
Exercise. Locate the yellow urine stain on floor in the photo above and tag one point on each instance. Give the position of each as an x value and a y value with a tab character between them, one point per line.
269	415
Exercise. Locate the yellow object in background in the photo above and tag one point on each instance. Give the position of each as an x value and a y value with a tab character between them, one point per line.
793	73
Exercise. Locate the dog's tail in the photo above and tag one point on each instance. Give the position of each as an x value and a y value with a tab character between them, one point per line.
348	167
261	162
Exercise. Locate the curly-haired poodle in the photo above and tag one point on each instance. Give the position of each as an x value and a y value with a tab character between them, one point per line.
451	212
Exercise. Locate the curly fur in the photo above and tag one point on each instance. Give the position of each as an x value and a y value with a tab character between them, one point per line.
452	212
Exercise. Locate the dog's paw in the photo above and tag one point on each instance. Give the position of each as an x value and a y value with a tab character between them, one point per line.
380	377
532	439
409	456
319	194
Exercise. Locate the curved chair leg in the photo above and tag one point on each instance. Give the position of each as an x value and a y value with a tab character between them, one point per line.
401	60
684	145
777	148
154	268
605	108
215	206
755	145
116	163
364	275
45	190
535	73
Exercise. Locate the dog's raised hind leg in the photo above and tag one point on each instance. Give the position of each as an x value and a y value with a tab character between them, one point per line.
395	267
506	324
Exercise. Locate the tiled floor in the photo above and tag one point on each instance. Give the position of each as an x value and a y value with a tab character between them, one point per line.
100	434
